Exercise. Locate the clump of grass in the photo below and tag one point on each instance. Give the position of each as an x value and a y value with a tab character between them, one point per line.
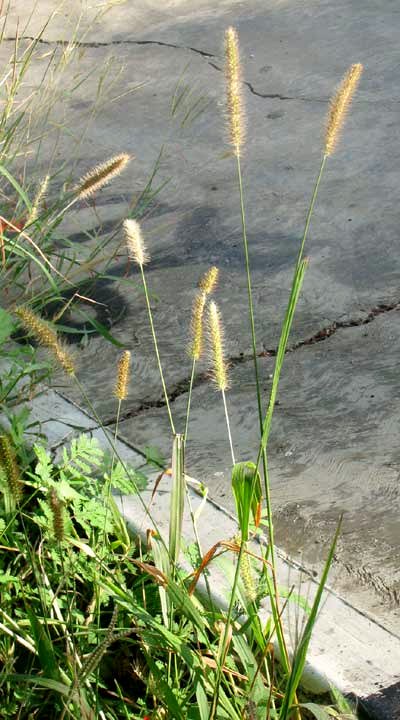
190	658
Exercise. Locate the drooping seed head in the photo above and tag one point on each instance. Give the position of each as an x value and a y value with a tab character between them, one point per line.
196	326
121	385
339	106
219	367
134	240
101	174
234	90
45	336
209	280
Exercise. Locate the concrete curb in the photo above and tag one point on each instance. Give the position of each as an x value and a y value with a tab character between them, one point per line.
348	649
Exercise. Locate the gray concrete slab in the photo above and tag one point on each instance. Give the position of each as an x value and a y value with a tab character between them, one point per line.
333	446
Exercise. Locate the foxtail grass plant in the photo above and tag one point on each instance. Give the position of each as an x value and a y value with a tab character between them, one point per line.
79	598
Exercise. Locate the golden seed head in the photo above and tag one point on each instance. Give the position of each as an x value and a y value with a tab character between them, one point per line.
121	385
57	508
101	174
196	326
38	327
47	337
64	358
219	367
135	244
339	106
234	90
209	280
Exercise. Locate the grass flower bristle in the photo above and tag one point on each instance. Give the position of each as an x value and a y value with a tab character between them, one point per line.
45	336
219	366
135	243
234	90
339	107
38	200
121	385
196	326
57	509
209	280
100	175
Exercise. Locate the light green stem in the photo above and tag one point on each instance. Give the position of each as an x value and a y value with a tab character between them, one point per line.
156	350
228	426
189	400
220	664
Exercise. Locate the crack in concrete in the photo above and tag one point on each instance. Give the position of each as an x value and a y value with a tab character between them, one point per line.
182	387
65	43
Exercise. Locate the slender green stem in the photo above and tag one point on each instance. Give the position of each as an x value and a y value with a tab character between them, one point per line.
228	426
249	291
156	350
310	211
189	400
226	632
270	549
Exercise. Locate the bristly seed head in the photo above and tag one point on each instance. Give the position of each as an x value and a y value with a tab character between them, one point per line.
209	280
9	465
339	106
101	175
47	337
57	509
135	244
234	90
121	385
196	326
219	367
38	200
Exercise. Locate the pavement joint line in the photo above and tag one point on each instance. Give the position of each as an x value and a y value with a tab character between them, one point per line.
203	53
182	387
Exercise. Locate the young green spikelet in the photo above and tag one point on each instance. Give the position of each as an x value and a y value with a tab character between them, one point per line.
57	509
45	336
135	243
234	90
219	366
121	384
339	107
101	175
10	468
206	285
247	578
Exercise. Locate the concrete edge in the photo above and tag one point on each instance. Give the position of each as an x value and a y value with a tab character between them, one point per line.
349	650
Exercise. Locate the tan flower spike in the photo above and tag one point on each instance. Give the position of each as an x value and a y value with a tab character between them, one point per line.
339	107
